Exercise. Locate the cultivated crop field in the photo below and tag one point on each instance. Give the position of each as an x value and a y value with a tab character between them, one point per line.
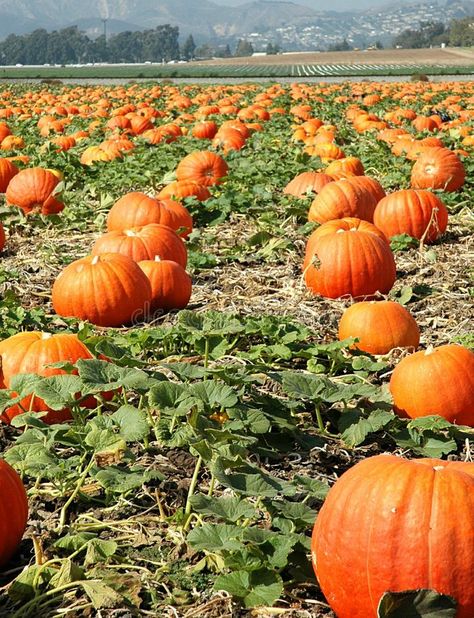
360	63
177	445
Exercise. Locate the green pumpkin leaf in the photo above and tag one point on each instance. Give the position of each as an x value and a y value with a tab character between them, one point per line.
30	581
307	387
123	480
133	423
255	588
99	550
73	542
355	427
58	391
316	489
216	538
251	481
228	508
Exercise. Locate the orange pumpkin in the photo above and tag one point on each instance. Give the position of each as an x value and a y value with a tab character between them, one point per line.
390	524
438	168
108	290
356	196
32	352
350	263
379	326
32	190
306	182
204	167
436	381
13	511
7	171
171	285
143	243
416	212
137	209
180	189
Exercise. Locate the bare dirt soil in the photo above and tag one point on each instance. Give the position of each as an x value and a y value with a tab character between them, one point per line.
435	56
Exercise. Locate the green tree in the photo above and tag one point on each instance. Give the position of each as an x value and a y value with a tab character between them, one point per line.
461	32
244	48
188	49
205	51
272	49
429	33
12	50
340	46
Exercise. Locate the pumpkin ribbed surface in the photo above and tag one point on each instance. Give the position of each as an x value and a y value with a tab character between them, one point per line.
438	168
204	167
436	381
31	189
137	209
143	243
416	212
307	182
350	263
379	326
393	524
13	511
33	352
356	196
108	290
170	284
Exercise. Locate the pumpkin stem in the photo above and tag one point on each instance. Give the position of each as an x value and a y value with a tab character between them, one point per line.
429	350
95	260
46	336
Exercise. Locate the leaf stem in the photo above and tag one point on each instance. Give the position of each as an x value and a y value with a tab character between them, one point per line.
319	418
192	487
79	484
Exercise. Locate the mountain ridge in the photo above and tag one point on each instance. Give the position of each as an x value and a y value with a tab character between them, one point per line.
220	22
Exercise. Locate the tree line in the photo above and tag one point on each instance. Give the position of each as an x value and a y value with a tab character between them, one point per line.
459	33
72	46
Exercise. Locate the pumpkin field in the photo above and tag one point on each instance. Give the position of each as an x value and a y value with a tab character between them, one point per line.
228	312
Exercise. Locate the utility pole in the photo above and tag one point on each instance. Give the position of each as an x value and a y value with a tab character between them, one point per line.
104	21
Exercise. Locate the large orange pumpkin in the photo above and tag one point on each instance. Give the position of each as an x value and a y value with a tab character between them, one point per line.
416	212
436	381
108	290
13	511
390	524
438	168
7	171
32	352
356	196
143	243
343	168
350	263
180	189
171	285
32	190
203	166
379	326
346	224
137	209
306	182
